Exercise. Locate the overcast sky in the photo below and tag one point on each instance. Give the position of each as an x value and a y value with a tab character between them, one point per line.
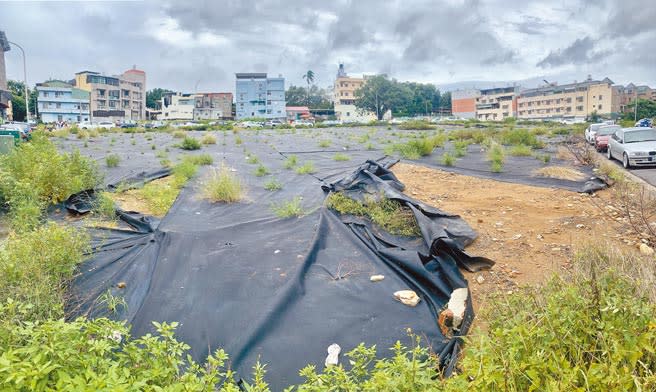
189	45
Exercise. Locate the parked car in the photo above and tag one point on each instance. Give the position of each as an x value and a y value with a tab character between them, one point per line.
591	131
249	124
603	135
306	123
332	122
633	146
273	123
20	131
644	122
128	124
87	125
106	124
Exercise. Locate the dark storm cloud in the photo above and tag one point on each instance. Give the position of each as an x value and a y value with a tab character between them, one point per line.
184	44
578	52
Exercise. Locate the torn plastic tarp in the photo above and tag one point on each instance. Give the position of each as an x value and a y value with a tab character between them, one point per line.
282	290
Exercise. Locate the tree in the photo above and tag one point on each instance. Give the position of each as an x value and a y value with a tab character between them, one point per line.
646	109
319	98
154	97
17	90
445	101
309	78
380	94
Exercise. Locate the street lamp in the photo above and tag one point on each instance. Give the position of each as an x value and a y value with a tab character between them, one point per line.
27	105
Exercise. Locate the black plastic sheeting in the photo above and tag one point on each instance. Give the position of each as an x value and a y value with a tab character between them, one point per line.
282	290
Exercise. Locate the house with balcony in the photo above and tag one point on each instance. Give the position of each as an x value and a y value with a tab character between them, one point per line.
213	106
115	98
59	101
178	106
257	95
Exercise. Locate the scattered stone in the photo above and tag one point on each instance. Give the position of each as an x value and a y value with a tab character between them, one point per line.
407	297
333	355
580	226
646	250
517	236
555	249
121	285
376	278
539	236
276	251
480	279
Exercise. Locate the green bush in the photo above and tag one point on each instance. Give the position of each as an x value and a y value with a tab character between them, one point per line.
521	150
273	185
341	157
388	214
521	136
200	160
261	171
35	175
324	143
208	139
496	155
190	143
460	148
35	267
112	160
417	124
103	205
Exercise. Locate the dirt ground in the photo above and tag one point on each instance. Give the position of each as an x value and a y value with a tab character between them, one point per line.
530	232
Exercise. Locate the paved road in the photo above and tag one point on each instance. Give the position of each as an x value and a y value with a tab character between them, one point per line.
646	173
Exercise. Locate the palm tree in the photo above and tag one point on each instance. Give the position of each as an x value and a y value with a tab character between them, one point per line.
309	78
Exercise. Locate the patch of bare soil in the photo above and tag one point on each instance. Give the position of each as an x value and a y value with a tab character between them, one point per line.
530	232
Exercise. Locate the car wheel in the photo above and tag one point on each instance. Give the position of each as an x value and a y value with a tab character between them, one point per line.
608	154
625	161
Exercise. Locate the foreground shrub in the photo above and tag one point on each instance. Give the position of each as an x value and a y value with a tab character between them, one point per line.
590	333
223	186
306	168
200	160
208	139
35	175
520	136
35	267
497	156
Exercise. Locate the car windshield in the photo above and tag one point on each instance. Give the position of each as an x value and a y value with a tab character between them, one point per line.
646	135
607	131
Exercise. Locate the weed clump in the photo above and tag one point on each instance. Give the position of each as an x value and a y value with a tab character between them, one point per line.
223	186
497	157
521	150
112	160
190	143
386	213
291	162
306	168
448	159
341	157
324	143
273	185
261	171
208	139
200	160
417	124
288	209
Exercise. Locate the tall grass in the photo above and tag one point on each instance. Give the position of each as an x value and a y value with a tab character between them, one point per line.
223	186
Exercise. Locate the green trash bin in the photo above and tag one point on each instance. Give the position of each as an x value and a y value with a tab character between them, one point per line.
7	143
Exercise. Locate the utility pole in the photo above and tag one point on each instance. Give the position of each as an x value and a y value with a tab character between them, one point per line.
635	112
27	104
377	115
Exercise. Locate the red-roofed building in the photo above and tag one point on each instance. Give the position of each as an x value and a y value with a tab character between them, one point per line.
295	113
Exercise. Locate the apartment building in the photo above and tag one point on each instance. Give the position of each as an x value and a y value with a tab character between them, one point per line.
178	106
463	103
496	104
344	98
568	101
213	106
5	95
59	101
257	95
628	94
115	98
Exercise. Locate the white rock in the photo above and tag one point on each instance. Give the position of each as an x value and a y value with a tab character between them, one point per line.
480	279
458	304
376	278
646	250
333	355
407	297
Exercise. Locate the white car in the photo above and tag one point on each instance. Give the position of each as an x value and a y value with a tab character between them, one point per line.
87	125
633	146
106	125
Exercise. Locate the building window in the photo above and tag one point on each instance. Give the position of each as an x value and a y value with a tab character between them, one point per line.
60	118
600	97
579	108
579	99
58	105
45	94
348	114
599	107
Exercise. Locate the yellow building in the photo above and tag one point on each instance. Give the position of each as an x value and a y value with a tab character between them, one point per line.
496	104
344	98
569	101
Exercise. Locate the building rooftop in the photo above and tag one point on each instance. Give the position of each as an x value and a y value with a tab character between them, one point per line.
55	83
134	70
297	108
252	75
562	87
88	72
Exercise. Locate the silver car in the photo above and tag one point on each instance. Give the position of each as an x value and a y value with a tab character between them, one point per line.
633	146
